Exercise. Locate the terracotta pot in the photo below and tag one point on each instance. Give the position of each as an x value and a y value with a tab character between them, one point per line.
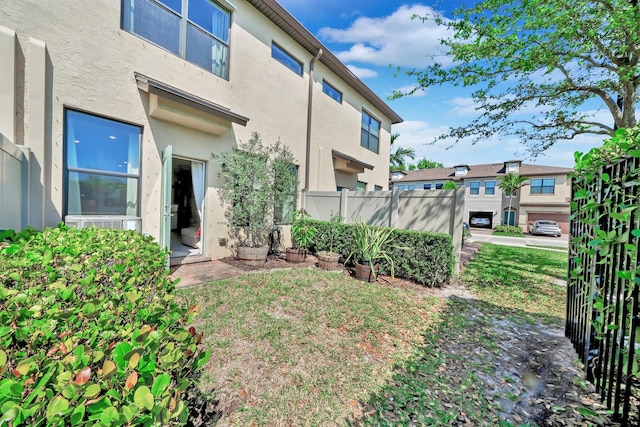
296	254
364	272
328	260
256	257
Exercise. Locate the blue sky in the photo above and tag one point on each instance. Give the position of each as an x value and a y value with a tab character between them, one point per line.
369	36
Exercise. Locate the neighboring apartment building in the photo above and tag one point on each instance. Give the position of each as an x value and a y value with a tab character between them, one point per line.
111	99
545	195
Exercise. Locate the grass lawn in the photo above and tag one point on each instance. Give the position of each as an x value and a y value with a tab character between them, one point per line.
307	347
520	279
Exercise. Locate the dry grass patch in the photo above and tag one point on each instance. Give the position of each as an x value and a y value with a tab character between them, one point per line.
304	347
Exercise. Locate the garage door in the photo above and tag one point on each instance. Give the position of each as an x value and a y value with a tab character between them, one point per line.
561	219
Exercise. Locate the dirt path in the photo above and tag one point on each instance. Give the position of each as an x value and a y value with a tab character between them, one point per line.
529	371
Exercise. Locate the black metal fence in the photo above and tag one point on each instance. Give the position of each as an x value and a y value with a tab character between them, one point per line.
604	276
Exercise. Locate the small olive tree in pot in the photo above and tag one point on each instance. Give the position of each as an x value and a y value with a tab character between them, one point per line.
302	234
255	180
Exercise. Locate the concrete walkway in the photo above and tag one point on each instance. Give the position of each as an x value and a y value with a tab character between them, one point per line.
203	272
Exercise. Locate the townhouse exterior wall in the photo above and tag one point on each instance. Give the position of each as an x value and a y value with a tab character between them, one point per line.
79	58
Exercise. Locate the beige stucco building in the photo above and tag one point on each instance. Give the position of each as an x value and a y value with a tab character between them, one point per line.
96	93
546	194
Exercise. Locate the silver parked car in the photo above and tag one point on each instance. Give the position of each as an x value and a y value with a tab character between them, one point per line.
478	221
545	227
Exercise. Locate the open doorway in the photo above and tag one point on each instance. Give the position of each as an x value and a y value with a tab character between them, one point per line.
187	200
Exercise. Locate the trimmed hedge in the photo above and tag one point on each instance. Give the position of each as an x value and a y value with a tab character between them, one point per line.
512	229
429	261
90	333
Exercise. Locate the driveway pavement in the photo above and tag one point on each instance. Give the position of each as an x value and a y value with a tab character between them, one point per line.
479	235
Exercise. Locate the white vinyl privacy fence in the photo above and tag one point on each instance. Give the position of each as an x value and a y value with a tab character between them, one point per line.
14	180
439	211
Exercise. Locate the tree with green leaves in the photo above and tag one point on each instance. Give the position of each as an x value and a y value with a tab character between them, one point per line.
536	66
509	184
397	157
425	163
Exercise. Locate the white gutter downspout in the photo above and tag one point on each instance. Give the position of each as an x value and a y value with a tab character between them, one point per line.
309	108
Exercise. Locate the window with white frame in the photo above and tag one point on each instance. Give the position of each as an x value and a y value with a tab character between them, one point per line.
286	59
102	165
331	91
474	188
370	132
489	188
411	187
196	30
543	186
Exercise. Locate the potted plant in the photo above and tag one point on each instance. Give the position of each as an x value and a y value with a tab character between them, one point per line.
372	245
254	180
302	234
329	260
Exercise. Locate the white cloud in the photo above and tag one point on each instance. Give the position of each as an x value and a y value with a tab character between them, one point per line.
419	135
362	73
419	91
395	39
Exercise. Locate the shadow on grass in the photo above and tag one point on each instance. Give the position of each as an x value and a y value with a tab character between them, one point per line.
483	365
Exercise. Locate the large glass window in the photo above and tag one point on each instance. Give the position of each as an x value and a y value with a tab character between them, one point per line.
370	132
286	59
197	30
489	188
331	91
102	165
474	188
543	186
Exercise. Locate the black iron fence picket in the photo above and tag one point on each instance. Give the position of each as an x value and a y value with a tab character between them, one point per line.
604	276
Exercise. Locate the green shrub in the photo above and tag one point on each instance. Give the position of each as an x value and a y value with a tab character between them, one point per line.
511	229
90	333
429	261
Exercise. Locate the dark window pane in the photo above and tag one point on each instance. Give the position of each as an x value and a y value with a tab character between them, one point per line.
175	5
439	186
373	143
210	17
287	60
155	23
207	52
364	138
331	91
101	144
90	194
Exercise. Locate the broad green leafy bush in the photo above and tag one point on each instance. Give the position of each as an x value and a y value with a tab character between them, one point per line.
90	333
429	261
511	229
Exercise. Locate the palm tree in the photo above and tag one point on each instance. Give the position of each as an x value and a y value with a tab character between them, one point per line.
396	158
509	184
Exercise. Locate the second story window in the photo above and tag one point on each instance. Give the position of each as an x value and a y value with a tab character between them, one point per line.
474	188
427	186
543	186
196	30
489	188
286	59
370	132
331	91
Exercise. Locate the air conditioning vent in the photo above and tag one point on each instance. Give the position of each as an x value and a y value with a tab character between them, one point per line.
117	222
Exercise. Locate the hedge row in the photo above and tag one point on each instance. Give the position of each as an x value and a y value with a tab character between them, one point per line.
90	333
429	261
